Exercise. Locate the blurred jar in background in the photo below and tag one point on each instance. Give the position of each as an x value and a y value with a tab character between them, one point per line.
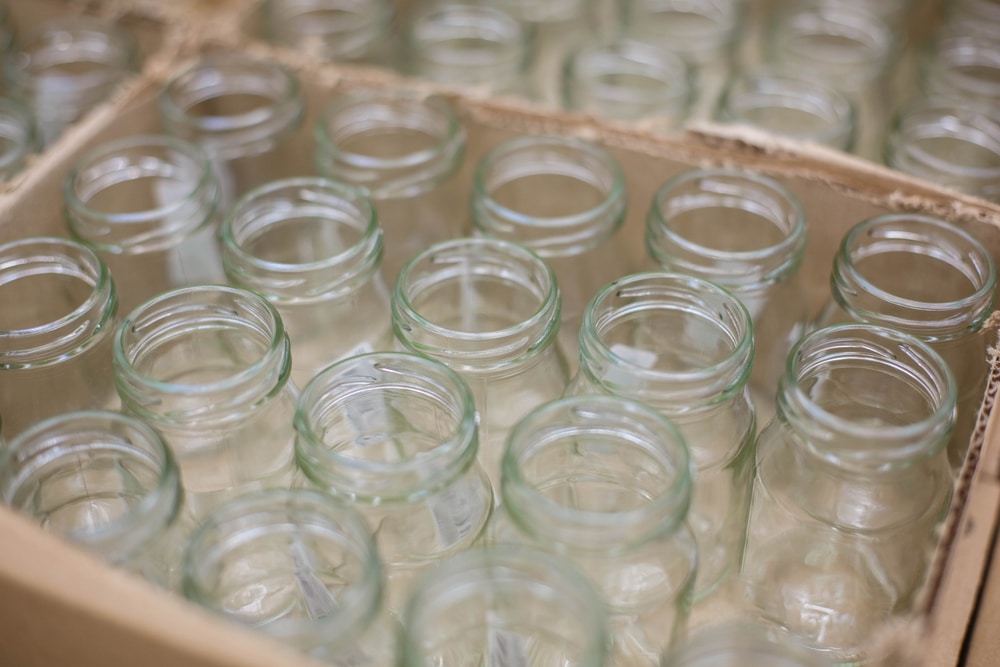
403	149
18	137
66	67
395	435
332	30
965	68
59	310
313	248
742	643
300	567
103	480
147	205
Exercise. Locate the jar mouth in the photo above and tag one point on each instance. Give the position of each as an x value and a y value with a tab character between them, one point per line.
368	394
695	30
17	127
190	203
293	531
554	232
842	422
70	333
345	26
966	65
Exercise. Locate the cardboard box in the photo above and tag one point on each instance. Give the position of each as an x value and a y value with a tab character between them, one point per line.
59	606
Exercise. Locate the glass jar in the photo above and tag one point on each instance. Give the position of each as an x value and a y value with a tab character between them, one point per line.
402	148
66	67
313	247
605	483
851	481
927	277
470	45
18	136
564	198
504	606
629	81
489	310
103	480
746	232
950	143
242	112
208	367
298	566
395	435
147	205
332	30
684	346
59	310
965	68
789	105
746	644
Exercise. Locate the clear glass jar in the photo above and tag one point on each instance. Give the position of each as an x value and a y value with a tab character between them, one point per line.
67	66
18	136
402	148
927	277
851	481
241	111
684	346
469	45
489	310
746	232
950	143
146	204
333	30
59	310
313	247
744	643
208	367
565	199
395	435
789	105
605	483
965	68
504	605
629	81
298	566
103	480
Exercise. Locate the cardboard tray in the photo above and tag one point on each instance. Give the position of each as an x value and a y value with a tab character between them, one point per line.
59	606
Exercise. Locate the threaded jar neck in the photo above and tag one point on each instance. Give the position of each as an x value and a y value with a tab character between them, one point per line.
392	143
965	67
559	196
340	30
385	427
735	228
302	240
702	32
58	301
479	305
952	298
140	194
674	342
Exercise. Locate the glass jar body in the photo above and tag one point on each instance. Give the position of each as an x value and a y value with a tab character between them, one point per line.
333	30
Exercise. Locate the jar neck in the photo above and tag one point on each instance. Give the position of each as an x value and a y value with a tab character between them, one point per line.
302	240
478	305
362	429
201	355
393	144
702	32
301	537
57	472
675	342
737	229
336	29
559	196
867	399
233	106
965	66
581	448
873	271
106	194
58	298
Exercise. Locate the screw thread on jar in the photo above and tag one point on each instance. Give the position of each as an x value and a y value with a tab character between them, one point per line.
333	30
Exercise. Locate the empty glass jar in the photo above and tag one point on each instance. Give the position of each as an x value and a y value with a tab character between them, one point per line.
208	367
298	566
963	67
333	30
59	315
851	481
395	435
743	644
147	205
504	605
684	346
313	247
605	483
488	309
103	480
